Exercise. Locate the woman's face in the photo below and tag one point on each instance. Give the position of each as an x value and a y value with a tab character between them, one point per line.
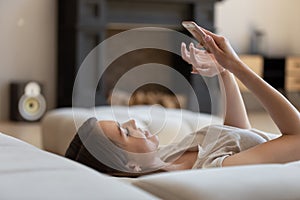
129	137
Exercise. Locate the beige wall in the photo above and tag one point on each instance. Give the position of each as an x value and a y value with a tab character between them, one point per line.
27	46
279	19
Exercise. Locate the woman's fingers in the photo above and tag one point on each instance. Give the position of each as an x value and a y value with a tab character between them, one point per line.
197	57
184	53
211	40
198	63
211	45
192	54
201	61
207	32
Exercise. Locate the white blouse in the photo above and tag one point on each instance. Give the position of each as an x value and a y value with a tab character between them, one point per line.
214	143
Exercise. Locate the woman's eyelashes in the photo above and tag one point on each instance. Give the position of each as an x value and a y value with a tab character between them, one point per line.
124	130
127	132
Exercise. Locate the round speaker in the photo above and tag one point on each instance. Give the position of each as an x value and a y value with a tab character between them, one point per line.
32	104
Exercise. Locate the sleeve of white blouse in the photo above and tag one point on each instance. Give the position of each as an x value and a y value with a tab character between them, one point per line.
228	143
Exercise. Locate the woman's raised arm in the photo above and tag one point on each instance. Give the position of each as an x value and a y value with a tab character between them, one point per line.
205	64
287	118
283	113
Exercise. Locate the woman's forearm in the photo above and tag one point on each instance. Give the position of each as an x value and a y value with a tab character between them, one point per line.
283	113
236	114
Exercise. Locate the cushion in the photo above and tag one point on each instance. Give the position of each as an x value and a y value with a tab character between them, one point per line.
268	182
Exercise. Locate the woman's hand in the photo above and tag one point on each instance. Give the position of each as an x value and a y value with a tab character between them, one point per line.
203	63
220	47
218	50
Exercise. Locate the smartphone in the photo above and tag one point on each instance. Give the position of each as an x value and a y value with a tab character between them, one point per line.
194	29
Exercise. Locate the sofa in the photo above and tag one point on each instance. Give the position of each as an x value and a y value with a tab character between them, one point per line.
171	125
27	172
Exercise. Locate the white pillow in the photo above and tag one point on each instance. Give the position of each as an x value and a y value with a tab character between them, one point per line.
31	173
273	182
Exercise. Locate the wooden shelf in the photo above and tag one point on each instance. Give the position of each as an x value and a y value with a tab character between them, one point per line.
256	63
292	74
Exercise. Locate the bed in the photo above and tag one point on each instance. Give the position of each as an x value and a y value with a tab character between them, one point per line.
40	174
